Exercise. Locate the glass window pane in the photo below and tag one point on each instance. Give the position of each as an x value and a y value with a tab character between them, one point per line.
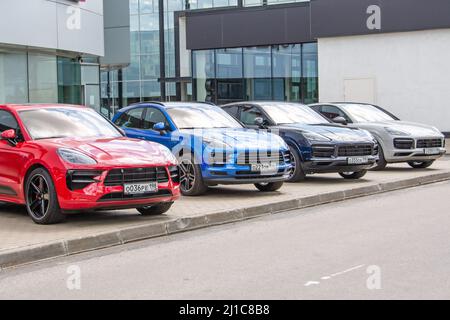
203	64
42	78
134	6
229	63
132	71
252	3
310	73
69	81
150	67
13	78
257	62
151	90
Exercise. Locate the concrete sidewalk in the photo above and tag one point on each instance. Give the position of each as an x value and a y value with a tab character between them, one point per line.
22	241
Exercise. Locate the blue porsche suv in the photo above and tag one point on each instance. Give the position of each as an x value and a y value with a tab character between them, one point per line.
316	144
211	146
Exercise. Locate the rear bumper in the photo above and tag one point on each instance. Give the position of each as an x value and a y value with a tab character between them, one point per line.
335	165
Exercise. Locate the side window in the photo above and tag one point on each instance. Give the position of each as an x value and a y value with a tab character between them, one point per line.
131	119
7	121
152	117
233	111
331	112
249	114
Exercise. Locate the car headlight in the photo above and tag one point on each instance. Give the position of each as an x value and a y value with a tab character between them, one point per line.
396	132
75	157
315	136
215	143
437	130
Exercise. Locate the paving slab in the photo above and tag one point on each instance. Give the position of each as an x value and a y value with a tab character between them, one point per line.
22	241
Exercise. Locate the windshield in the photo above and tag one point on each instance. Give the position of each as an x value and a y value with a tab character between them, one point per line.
366	113
49	123
293	113
196	118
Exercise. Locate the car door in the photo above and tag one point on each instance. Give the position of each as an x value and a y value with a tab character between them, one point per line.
153	116
132	122
12	158
330	112
248	115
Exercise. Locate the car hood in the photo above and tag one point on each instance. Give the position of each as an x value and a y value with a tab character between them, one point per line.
337	133
412	128
240	138
117	151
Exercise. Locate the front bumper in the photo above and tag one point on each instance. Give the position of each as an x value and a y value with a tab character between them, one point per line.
416	152
99	196
336	165
242	174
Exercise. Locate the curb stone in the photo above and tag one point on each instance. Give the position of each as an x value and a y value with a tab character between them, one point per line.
25	255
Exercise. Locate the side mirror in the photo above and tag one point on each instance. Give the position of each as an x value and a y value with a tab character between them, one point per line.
10	136
340	120
161	127
260	123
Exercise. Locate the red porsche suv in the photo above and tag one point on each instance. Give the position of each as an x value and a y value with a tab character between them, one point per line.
56	159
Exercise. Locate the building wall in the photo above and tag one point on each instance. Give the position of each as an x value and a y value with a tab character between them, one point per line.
53	24
407	73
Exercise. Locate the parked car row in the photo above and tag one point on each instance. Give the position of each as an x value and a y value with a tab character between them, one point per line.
56	159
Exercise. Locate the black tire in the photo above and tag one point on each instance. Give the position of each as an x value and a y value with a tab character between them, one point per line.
156	210
41	199
191	179
353	175
421	164
269	187
297	174
381	163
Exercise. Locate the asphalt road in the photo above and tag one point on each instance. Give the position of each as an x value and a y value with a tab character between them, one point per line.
389	246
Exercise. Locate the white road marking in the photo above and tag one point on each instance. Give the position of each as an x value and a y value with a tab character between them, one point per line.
310	283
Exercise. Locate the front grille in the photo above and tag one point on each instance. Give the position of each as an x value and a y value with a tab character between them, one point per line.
429	143
118	196
80	179
174	174
404	144
323	151
118	177
355	150
246	158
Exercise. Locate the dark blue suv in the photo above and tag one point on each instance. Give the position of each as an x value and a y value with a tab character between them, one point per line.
316	144
211	146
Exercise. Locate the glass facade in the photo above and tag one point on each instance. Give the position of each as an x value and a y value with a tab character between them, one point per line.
280	72
33	77
272	72
141	81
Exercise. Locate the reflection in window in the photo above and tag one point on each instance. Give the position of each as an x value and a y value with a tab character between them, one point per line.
42	78
13	77
310	73
69	81
281	72
229	63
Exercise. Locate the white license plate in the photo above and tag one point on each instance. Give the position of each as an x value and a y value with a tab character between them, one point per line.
358	160
265	168
431	151
140	188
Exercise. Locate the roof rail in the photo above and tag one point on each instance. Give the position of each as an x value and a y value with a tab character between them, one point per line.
155	102
206	102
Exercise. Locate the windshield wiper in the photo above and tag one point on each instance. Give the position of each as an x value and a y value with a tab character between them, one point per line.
54	137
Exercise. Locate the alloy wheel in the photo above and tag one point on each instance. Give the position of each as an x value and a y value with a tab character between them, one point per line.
38	200
187	178
293	163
